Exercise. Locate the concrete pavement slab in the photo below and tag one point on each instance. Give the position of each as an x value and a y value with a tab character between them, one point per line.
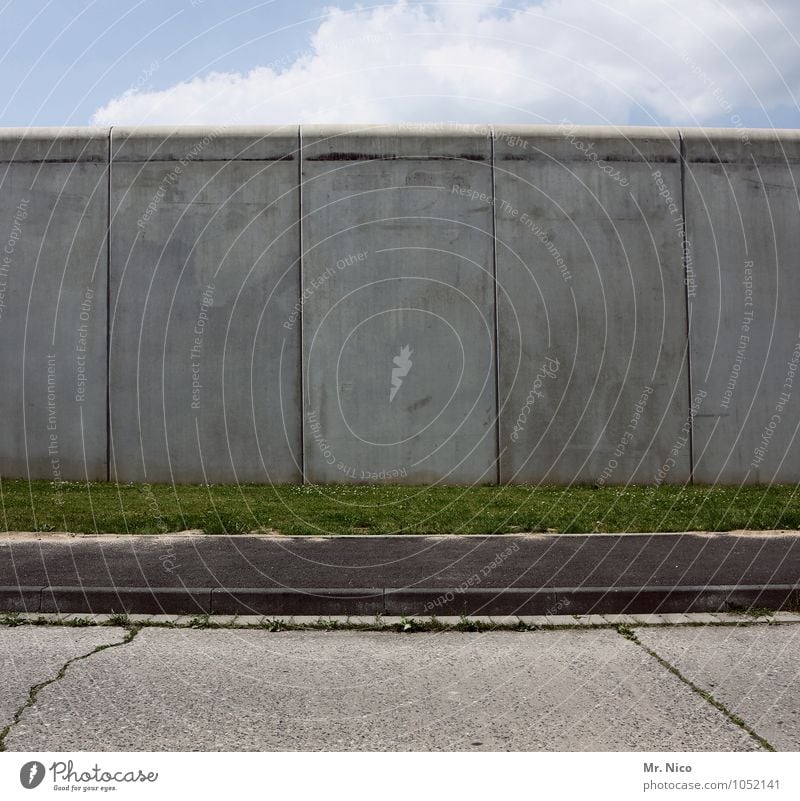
33	654
254	690
754	671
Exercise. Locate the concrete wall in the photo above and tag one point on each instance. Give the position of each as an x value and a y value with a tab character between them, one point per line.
743	211
591	305
204	269
410	265
53	282
404	304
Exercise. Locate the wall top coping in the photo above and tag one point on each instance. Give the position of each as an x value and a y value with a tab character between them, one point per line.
564	142
203	143
68	145
732	145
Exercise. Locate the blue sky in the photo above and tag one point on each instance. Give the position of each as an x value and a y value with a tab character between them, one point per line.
663	62
69	57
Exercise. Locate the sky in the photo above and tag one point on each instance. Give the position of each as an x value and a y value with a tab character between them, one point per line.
730	63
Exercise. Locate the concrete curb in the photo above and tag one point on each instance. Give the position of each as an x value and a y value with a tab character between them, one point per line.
424	602
261	601
388	622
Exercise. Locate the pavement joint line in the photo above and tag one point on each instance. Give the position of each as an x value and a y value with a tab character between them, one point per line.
629	634
34	691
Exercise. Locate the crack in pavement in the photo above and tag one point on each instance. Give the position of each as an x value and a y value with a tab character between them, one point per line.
629	634
37	688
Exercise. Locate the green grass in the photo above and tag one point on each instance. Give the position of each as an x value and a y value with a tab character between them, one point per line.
152	509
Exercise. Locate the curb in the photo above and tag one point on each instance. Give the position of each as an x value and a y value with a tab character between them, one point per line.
425	602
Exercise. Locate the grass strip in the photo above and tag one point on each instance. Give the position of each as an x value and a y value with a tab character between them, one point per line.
339	509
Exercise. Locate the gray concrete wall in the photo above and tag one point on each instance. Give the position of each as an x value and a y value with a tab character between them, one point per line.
393	258
743	226
204	270
400	304
53	280
593	371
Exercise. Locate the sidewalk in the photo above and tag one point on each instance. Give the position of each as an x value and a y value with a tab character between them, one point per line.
402	575
658	688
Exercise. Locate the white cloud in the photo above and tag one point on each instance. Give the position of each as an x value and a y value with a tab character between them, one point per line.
589	61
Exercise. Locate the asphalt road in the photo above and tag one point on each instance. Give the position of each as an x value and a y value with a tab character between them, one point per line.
575	689
496	575
408	561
